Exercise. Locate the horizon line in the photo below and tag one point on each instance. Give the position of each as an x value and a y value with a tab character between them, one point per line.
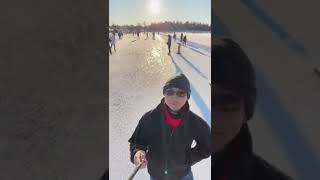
148	24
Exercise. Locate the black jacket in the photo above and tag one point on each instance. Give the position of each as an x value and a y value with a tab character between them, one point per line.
238	162
105	175
169	41
171	152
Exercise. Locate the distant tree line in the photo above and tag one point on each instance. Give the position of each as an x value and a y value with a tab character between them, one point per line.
166	26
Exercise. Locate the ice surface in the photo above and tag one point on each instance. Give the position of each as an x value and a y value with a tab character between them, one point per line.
137	73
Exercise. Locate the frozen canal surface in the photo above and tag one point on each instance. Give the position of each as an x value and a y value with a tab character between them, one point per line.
137	73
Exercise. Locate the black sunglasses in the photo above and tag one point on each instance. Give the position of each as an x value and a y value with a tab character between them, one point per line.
171	92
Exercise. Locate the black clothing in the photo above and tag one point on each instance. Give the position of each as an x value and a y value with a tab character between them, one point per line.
168	151
238	162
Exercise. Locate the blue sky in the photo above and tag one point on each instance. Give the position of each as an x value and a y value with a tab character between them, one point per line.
129	12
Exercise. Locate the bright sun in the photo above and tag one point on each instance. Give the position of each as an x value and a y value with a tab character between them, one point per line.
154	6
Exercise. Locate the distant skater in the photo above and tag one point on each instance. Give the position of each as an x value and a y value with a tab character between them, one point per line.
169	43
113	40
185	40
109	45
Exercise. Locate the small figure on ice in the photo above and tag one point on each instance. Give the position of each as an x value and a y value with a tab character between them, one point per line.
109	44
113	40
174	36
185	40
169	43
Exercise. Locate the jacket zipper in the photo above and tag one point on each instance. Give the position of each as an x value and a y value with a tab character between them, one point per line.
167	160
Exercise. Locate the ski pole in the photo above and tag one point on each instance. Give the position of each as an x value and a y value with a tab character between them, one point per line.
136	169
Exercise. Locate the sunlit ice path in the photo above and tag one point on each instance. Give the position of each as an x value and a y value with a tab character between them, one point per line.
141	65
138	70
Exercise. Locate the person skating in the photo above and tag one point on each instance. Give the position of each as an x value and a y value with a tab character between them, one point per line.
174	36
113	40
169	43
234	97
185	40
121	34
163	137
109	45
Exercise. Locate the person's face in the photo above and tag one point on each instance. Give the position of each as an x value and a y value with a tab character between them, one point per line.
228	117
175	98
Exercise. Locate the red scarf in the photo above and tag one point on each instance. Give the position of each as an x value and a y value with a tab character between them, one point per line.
174	123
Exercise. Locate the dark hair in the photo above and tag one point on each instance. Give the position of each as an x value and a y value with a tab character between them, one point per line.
233	71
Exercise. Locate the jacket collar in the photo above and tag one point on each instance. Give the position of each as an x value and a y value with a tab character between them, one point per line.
235	160
184	111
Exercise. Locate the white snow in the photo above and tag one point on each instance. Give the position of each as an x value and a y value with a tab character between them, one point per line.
137	73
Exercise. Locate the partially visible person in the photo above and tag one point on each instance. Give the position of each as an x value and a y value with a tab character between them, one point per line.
113	40
169	43
105	175
234	97
109	45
